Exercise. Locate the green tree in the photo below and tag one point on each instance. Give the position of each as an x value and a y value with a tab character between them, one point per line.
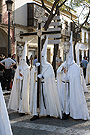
60	5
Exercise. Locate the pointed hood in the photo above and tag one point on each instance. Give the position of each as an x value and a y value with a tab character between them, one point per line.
44	53
24	53
70	59
23	57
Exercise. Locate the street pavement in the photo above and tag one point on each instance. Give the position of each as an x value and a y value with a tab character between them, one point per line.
21	125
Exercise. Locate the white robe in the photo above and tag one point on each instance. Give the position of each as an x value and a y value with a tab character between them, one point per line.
75	101
20	101
50	94
71	96
88	74
5	127
51	98
83	81
33	91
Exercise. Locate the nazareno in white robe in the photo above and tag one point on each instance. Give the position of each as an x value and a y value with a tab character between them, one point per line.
75	100
19	101
51	104
33	91
5	127
83	81
88	74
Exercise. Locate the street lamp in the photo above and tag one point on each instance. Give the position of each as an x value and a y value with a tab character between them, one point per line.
9	9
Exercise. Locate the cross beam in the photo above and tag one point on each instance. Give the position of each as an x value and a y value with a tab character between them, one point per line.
43	33
39	57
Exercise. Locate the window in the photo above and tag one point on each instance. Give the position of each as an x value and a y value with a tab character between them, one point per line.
88	37
81	35
84	37
84	53
30	15
80	55
66	25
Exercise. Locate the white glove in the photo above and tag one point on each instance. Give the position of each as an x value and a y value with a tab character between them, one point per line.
18	77
37	64
40	76
66	79
20	68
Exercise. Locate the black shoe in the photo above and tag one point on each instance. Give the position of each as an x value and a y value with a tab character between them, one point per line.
34	117
65	116
8	89
48	116
21	114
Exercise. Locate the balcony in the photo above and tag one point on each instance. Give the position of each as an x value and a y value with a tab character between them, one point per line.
31	21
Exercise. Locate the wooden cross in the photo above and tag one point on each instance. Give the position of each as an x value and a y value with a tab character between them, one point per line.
57	31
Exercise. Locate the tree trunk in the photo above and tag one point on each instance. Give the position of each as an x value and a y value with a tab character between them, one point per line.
74	51
56	47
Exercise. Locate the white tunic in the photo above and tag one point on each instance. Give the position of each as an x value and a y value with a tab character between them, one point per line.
75	99
19	98
71	96
5	127
49	100
33	91
83	81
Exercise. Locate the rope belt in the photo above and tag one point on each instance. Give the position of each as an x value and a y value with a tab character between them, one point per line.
43	95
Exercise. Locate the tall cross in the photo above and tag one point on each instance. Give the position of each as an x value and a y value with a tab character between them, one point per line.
39	33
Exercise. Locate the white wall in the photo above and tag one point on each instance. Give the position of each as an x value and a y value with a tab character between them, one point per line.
82	36
19	3
21	15
83	31
21	11
63	19
86	36
17	31
3	2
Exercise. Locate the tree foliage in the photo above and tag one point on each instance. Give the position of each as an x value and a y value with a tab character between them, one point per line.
58	5
78	5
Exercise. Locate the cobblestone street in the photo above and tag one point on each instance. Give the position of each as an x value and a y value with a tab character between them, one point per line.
21	125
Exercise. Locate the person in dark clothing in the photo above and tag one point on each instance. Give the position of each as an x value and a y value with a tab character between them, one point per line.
84	65
14	67
13	57
27	60
8	63
35	60
31	60
1	73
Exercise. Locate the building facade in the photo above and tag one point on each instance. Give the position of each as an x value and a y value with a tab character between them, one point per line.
82	47
23	21
4	30
27	23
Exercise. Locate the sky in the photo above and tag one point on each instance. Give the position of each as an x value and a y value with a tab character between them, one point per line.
81	14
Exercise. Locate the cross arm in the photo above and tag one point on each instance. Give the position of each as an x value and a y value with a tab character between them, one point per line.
43	33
